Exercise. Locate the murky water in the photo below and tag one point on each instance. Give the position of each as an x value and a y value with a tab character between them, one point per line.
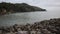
28	17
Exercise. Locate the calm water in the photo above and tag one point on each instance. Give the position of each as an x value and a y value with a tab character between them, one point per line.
29	17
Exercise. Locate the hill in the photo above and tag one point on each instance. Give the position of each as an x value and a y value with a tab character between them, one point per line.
18	7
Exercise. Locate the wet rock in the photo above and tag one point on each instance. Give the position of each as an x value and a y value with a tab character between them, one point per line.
51	26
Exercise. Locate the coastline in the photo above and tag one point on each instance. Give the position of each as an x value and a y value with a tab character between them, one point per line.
46	26
7	8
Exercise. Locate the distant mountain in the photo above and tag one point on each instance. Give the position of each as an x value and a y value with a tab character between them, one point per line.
18	7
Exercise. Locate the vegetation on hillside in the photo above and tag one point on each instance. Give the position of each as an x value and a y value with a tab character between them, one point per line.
18	7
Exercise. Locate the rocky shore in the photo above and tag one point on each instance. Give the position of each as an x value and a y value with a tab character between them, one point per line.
51	26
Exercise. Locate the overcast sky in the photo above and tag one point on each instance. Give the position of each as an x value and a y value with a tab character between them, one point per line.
40	3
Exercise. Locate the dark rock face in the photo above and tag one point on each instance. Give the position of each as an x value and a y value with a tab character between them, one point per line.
51	26
18	7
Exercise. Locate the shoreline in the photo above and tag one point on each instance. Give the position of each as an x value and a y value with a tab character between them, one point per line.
50	25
